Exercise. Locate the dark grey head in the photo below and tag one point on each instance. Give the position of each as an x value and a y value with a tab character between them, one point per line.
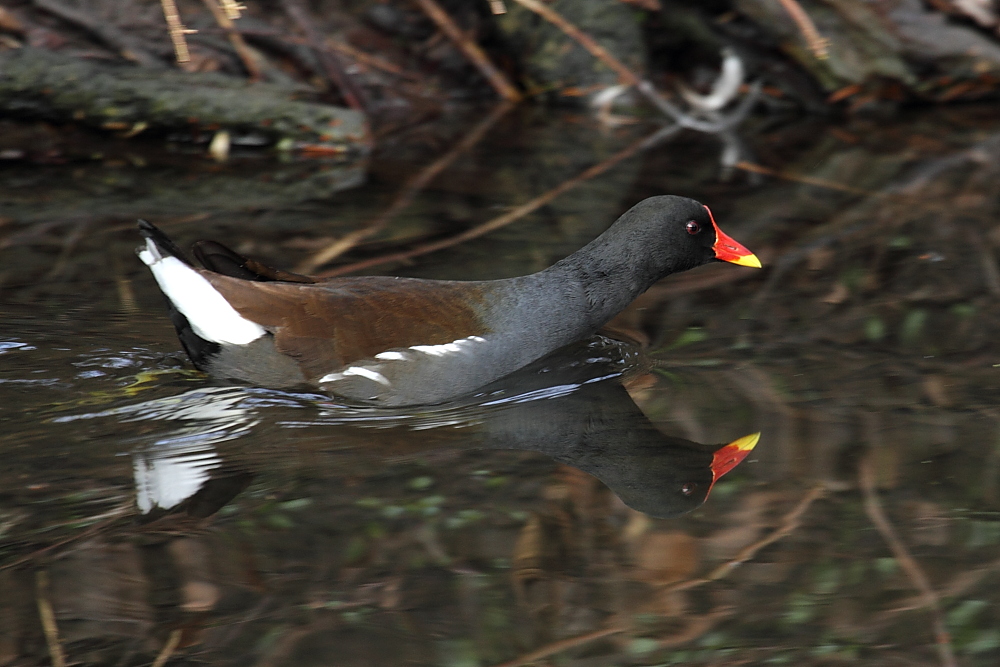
656	237
674	233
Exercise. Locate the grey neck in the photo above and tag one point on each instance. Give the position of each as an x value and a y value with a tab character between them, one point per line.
608	277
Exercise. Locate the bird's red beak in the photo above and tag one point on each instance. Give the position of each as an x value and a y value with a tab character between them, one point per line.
728	250
728	457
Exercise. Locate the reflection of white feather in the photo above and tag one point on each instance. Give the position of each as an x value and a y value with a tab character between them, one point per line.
725	88
165	479
208	312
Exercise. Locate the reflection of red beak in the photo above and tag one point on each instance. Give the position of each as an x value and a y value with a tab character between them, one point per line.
729	250
728	457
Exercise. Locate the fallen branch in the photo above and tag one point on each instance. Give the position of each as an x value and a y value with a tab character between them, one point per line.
405	196
873	508
511	216
471	50
106	33
333	70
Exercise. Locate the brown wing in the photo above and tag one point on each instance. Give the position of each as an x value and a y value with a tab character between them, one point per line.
327	325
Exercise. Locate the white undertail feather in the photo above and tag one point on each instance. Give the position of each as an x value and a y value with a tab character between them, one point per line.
210	315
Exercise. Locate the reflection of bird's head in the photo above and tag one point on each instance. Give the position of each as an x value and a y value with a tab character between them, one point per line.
674	476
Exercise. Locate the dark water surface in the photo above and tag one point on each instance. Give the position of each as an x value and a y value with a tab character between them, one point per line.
148	514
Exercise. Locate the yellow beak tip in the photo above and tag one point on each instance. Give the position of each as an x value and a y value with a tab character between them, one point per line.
748	260
747	442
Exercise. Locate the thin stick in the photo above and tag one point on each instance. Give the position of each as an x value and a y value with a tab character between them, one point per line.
819	45
168	649
177	30
873	508
405	196
48	618
225	20
472	51
498	7
515	214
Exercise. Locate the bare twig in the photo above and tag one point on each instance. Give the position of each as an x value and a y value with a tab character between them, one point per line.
48	618
472	51
498	7
406	195
168	649
223	17
177	30
515	214
819	45
232	8
873	508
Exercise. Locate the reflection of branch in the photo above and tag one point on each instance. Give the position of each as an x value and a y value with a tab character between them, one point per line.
873	508
511	216
471	50
789	523
562	645
696	627
406	195
168	649
48	619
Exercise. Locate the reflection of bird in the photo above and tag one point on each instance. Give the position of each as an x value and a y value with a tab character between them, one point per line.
399	341
581	415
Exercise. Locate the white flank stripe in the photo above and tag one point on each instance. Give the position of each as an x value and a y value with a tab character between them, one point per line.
368	373
210	315
460	345
391	356
360	371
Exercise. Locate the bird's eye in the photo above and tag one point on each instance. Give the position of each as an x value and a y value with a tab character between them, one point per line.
689	488
692	227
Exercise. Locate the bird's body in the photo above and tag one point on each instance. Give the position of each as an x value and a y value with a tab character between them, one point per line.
399	341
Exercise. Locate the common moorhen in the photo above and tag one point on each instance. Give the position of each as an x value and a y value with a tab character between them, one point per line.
406	341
